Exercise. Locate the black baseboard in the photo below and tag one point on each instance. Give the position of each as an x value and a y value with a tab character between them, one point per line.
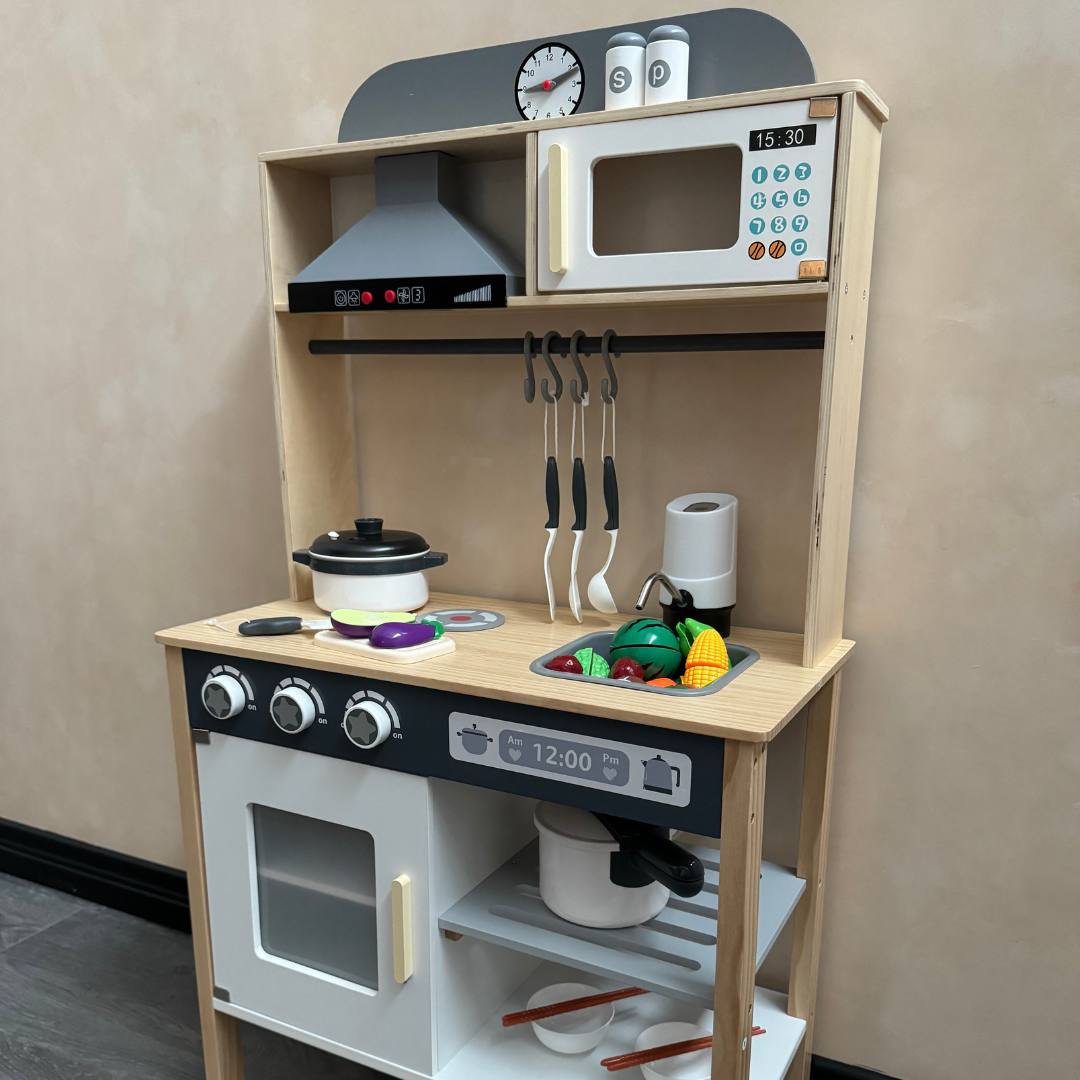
825	1069
142	888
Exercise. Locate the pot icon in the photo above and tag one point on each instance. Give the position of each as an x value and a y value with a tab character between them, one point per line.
658	775
474	740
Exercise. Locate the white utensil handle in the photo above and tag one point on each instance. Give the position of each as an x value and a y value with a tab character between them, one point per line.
401	917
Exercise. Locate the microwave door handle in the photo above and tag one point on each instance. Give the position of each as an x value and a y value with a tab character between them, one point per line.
558	210
401	920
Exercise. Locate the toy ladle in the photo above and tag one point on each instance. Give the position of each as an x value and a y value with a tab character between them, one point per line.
599	593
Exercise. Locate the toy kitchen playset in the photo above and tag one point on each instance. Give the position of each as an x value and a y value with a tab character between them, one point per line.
461	837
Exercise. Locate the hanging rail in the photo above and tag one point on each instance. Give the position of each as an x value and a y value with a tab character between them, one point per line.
779	340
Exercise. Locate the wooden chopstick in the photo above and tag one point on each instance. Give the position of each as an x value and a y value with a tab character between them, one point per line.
527	1016
657	1053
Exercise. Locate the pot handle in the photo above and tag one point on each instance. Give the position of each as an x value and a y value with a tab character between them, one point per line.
647	849
302	557
665	861
433	558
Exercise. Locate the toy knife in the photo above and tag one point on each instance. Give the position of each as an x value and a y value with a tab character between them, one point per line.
552	492
580	510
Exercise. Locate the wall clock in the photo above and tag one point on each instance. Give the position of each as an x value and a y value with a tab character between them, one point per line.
549	82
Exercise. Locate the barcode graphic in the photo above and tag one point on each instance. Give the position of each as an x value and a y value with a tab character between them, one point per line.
477	296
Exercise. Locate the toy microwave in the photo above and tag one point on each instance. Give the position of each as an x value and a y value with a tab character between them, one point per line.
720	197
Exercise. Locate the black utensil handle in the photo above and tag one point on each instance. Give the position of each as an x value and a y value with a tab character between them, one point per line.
611	494
552	490
286	624
577	488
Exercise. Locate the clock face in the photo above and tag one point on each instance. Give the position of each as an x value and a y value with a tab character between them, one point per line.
549	83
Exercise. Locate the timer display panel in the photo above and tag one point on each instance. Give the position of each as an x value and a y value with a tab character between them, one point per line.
783	138
640	772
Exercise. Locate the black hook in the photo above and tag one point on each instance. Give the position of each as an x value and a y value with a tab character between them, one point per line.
545	347
530	381
575	337
605	345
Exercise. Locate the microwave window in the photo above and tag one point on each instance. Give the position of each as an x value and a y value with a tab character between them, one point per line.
317	894
686	200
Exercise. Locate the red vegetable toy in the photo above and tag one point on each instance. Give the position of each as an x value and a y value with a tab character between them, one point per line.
626	665
565	663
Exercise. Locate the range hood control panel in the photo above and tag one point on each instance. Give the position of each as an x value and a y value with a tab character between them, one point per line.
663	777
388	294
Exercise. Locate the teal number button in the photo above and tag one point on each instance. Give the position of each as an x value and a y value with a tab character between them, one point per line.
781	173
778	224
757	200
779	199
801	197
760	175
802	171
799	222
798	247
757	226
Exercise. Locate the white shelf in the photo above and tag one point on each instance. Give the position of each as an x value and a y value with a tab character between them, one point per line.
499	1053
673	954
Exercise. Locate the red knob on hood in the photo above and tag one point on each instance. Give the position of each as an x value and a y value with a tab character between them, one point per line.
389	296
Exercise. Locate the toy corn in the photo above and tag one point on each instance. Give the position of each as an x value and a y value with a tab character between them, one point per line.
707	661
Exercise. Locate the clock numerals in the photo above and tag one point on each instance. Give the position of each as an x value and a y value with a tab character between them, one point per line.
550	83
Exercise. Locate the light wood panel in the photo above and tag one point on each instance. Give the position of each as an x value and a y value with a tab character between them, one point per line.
755	706
315	435
297	224
855	206
531	176
222	1055
740	870
495	141
813	847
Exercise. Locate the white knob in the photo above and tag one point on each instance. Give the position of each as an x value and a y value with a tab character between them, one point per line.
292	710
223	697
367	724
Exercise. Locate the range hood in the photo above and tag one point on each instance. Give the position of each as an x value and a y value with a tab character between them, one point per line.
415	249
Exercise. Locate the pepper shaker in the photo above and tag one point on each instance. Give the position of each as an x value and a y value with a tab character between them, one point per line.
667	65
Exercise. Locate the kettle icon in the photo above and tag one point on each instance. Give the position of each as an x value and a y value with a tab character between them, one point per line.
658	775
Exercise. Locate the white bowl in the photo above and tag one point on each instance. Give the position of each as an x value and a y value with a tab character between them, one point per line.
695	1066
572	1032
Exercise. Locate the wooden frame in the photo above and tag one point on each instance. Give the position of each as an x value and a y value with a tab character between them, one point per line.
314	417
318	475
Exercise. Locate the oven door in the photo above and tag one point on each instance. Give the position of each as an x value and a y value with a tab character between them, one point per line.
301	851
709	198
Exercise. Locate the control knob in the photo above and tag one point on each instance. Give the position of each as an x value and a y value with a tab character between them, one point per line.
367	723
223	697
292	709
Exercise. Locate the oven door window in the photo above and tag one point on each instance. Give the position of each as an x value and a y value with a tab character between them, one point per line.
316	883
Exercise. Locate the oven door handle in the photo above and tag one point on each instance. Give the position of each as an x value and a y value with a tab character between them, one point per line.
401	920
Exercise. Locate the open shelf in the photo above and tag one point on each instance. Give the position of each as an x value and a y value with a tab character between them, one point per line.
673	954
498	1052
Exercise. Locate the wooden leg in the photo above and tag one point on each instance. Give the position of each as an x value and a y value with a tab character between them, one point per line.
813	842
220	1033
740	870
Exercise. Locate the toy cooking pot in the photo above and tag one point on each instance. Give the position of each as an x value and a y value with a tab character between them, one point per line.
602	871
370	568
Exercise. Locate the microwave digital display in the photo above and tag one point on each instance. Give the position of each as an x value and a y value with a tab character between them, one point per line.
783	138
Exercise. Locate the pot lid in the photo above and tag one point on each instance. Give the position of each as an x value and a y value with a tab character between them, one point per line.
572	823
369	540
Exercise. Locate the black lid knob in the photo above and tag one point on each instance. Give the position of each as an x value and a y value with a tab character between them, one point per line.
368	526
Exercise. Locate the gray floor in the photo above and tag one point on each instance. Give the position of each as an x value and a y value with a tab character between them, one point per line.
88	993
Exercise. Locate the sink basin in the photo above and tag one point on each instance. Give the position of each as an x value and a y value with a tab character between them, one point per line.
741	658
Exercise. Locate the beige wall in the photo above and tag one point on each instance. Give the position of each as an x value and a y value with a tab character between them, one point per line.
139	486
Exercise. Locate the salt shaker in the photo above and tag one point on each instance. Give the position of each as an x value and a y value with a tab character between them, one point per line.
667	65
625	72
